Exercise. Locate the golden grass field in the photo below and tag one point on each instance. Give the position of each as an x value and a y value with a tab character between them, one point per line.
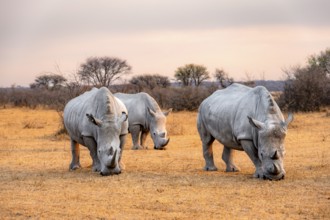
36	183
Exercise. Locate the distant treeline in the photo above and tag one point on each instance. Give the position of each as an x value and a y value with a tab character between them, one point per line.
178	98
173	96
309	97
306	88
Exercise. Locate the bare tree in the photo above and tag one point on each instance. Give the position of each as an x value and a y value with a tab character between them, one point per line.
191	73
48	81
249	80
103	71
223	78
74	86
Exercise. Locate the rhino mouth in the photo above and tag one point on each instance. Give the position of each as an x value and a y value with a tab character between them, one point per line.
274	177
163	145
110	172
160	148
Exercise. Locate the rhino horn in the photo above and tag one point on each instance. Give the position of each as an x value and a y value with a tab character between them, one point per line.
168	140
275	156
110	151
113	160
275	171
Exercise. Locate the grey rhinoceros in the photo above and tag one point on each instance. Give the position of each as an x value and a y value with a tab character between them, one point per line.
144	116
97	120
247	119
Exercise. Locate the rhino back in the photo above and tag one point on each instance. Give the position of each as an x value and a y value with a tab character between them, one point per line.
224	113
137	105
99	102
75	119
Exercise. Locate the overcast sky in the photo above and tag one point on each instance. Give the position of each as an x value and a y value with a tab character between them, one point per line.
255	38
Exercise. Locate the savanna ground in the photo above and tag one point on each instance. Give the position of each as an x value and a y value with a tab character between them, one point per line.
35	181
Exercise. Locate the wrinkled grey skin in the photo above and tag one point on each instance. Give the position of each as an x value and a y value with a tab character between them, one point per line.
145	116
97	120
244	118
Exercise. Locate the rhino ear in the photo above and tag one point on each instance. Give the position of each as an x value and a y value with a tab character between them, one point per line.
166	113
289	119
151	112
123	117
255	123
94	120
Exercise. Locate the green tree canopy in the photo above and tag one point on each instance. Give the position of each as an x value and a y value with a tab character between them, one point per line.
191	74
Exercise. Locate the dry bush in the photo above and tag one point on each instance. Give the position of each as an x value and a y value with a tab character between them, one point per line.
178	98
276	95
181	98
307	88
32	125
327	112
150	81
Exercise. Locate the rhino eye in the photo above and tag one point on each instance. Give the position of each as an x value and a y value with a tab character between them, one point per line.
261	155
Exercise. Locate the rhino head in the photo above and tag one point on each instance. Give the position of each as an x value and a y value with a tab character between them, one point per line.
108	143
157	124
271	149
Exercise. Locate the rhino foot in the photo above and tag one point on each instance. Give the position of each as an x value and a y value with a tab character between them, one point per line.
138	147
232	168
96	168
74	166
259	174
211	168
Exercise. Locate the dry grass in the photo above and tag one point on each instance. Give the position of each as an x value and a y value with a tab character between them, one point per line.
35	181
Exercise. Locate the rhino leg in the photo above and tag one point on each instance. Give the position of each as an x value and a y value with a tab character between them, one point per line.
143	138
208	153
207	142
75	150
252	152
122	144
92	147
135	132
227	157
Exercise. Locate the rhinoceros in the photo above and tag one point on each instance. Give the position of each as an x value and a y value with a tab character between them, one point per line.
97	120
246	119
144	116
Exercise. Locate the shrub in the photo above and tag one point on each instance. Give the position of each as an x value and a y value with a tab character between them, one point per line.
307	88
